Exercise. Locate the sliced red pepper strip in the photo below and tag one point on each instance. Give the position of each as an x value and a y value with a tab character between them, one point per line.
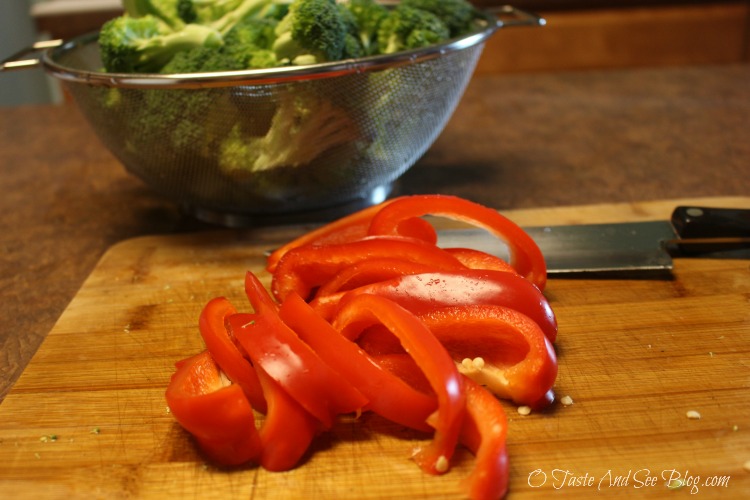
476	259
366	310
388	395
484	433
371	271
422	293
279	351
403	366
287	430
351	228
499	348
218	415
525	256
222	348
305	268
378	341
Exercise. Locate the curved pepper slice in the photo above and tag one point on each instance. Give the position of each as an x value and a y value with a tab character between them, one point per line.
222	348
371	271
422	293
287	430
499	348
366	310
484	433
215	412
279	352
350	228
476	259
388	395
525	256
304	268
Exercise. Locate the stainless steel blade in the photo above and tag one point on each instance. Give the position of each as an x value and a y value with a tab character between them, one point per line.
585	248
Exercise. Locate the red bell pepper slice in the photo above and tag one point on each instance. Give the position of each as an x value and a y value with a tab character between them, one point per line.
214	411
484	433
476	259
223	349
499	348
371	271
363	311
422	293
305	268
279	351
388	395
403	366
525	255
287	430
351	228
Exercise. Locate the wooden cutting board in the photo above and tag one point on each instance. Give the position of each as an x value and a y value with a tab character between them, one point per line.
88	419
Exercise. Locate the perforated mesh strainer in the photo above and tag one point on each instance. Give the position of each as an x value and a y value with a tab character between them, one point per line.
372	119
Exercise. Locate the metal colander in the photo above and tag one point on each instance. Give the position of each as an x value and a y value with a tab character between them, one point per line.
371	120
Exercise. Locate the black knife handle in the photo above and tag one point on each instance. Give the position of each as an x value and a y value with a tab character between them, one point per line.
704	222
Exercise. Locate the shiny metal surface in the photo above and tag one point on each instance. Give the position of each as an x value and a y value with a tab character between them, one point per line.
585	248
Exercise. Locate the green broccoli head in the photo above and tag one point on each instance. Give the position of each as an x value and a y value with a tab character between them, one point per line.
247	46
366	16
409	28
459	15
145	44
167	11
249	43
313	31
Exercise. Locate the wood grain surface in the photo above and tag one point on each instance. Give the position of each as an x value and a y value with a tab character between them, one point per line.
87	418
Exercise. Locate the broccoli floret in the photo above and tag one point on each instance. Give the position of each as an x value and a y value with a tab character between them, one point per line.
221	15
313	31
367	16
459	15
247	46
145	44
302	128
408	28
251	33
352	45
165	10
197	60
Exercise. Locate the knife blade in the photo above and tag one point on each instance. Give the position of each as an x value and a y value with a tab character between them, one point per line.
626	247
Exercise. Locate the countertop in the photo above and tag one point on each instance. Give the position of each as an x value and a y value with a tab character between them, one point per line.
520	141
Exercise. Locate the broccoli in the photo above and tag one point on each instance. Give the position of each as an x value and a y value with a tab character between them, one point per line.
365	16
151	32
145	44
409	28
246	46
269	33
459	15
249	44
313	31
303	127
352	45
164	10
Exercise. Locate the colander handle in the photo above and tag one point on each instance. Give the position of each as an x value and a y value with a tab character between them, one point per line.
15	61
509	16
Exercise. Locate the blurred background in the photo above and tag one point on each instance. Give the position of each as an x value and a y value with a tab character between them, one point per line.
580	35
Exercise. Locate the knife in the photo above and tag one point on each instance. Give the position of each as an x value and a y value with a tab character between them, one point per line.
626	247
